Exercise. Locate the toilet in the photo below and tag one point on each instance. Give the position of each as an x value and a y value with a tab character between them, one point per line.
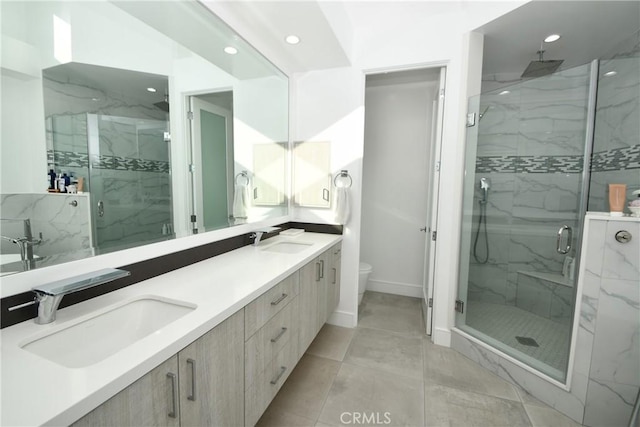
365	271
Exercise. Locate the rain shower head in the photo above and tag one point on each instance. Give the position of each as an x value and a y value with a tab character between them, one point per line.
163	105
541	67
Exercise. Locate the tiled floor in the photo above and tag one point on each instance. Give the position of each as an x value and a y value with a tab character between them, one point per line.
385	372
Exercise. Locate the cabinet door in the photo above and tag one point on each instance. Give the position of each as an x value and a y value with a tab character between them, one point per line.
333	280
150	401
212	376
322	281
309	276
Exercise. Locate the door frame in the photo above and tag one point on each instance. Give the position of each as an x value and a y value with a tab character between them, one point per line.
195	169
429	262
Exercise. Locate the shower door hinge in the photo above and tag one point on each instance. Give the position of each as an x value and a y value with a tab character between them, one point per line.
190	115
459	306
430	302
434	235
471	120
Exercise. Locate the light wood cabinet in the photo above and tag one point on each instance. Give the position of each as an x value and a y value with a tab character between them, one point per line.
319	294
228	376
309	278
333	279
150	401
202	385
211	372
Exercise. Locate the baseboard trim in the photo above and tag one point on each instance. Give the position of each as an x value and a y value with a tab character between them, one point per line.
405	289
343	318
441	337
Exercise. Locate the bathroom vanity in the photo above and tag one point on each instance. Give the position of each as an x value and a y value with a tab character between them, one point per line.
246	317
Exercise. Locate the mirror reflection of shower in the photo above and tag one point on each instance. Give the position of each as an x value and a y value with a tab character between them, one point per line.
485	185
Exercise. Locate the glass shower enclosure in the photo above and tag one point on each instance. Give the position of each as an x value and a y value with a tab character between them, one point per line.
124	163
524	200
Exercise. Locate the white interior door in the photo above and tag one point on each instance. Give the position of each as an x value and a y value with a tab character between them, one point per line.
432	202
213	171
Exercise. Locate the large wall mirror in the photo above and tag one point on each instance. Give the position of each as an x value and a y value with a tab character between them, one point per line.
128	123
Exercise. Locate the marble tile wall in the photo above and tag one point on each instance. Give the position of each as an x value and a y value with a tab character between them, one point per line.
616	151
530	145
129	159
64	227
612	314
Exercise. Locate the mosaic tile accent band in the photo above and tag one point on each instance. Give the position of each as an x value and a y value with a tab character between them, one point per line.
81	160
529	164
611	160
616	159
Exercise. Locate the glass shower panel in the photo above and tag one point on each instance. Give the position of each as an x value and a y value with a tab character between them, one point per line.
130	181
521	217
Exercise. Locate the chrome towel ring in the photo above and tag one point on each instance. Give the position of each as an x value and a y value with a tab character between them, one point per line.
343	175
241	175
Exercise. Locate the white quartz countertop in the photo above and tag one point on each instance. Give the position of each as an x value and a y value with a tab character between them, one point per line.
36	391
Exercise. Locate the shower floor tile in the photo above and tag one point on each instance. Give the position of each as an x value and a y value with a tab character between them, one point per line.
507	323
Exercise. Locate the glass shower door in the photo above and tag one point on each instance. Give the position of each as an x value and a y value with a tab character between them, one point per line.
521	217
129	180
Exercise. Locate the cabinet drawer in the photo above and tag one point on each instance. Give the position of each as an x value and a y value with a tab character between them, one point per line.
259	311
262	347
268	382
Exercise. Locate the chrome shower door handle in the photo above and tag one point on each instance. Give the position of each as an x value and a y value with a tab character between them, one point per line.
567	246
100	208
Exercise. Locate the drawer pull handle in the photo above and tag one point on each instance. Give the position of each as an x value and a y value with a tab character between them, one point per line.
283	369
335	276
322	269
192	396
318	275
282	332
279	300
174	395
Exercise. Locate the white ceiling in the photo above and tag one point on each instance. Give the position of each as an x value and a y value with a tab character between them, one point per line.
330	29
589	30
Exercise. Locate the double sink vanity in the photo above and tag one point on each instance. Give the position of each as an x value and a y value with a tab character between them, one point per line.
207	344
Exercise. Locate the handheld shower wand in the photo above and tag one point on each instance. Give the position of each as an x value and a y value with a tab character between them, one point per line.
485	184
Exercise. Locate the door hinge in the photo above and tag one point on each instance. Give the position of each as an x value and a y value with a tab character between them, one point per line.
434	235
193	219
190	115
192	168
430	302
438	166
471	120
459	306
441	93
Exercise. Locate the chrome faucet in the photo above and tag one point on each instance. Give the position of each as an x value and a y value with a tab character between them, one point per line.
257	234
25	244
50	294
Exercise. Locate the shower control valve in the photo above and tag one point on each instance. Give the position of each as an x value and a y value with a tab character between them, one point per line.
623	236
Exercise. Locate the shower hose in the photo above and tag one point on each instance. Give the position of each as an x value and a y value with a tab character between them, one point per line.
481	220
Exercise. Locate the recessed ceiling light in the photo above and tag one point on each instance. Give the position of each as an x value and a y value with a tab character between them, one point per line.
610	73
504	92
551	38
292	39
231	50
151	89
95	99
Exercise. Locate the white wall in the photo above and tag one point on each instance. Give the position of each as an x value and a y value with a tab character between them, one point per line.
398	129
330	104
